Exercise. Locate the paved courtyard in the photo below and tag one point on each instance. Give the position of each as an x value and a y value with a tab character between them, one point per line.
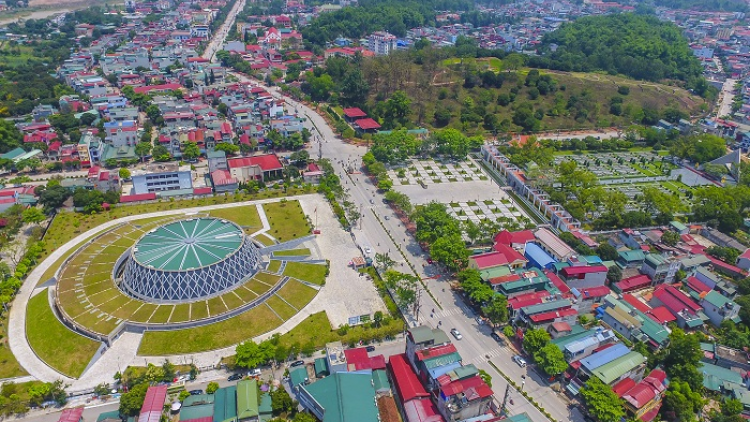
495	210
430	172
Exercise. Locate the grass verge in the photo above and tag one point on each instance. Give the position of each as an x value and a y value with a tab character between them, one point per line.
287	220
53	342
293	252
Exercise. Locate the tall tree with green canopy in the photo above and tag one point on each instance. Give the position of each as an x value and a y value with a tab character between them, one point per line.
601	401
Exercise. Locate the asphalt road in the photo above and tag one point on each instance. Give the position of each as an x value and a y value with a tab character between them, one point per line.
726	98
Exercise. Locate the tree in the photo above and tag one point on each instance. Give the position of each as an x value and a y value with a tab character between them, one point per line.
33	215
161	153
551	359
670	238
601	401
607	252
485	377
682	358
229	149
143	149
191	151
497	309
397	110
450	251
614	274
534	340
124	173
212	387
384	260
131	402
304	417
251	355
281	402
681	403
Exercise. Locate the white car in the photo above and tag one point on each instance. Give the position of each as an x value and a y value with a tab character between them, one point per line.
368	250
456	334
520	361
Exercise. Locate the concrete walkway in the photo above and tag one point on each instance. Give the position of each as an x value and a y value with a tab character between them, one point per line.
263	220
17	320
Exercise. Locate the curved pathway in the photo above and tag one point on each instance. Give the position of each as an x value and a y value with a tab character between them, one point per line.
19	345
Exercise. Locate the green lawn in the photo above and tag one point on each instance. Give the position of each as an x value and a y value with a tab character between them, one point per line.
53	342
312	273
246	216
282	309
273	266
297	294
287	220
235	330
199	310
267	278
293	252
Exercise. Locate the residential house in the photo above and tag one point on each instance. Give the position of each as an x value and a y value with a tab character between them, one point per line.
543	314
153	404
553	245
584	347
581	277
644	399
633	258
247	401
720	308
381	43
423	337
660	269
260	167
413	398
631	284
688	313
464	399
506	256
517	240
341	397
161	178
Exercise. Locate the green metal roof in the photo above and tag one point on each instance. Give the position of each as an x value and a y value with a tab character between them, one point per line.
16	152
247	399
197	412
188	244
717	299
522	417
578	334
115	414
321	367
494	272
380	380
198	399
265	410
714	376
677	225
424	334
652	329
225	404
610	372
298	376
466	371
632	255
442	360
546	307
346	397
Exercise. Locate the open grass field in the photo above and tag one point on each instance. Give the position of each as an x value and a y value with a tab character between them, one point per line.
270	279
312	273
9	366
287	220
293	252
222	334
246	216
53	342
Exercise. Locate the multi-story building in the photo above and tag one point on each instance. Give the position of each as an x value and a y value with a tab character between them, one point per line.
660	269
162	177
381	43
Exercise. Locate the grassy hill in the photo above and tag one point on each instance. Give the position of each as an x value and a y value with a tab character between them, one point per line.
577	101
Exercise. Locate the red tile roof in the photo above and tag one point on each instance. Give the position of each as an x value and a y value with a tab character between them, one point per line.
153	405
149	88
474	388
661	315
623	386
561	326
629	284
491	259
571	271
354	112
643	392
358	359
71	415
202	191
435	352
598	291
508	238
137	197
268	162
422	410
407	383
636	303
366	124
527	299
557	282
674	299
552	315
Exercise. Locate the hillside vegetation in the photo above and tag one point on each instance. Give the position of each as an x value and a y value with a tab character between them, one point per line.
641	47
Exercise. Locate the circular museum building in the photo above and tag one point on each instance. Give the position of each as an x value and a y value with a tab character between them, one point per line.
189	260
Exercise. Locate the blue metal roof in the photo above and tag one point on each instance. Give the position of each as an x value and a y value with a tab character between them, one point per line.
538	256
442	370
605	356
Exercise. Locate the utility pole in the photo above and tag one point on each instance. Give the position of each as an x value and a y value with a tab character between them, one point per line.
504	406
418	304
